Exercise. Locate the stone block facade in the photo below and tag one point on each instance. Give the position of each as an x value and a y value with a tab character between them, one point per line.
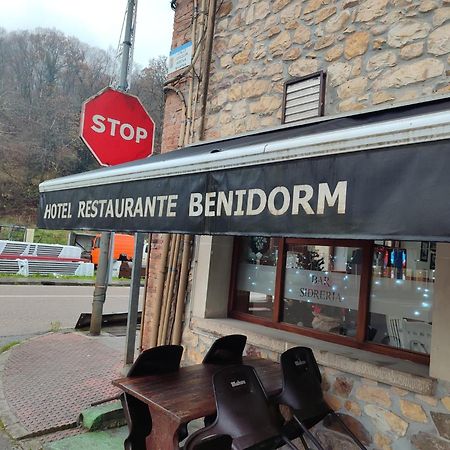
373	52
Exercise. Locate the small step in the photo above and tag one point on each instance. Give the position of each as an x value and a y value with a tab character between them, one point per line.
102	417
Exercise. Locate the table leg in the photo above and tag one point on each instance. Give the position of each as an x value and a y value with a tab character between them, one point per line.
164	434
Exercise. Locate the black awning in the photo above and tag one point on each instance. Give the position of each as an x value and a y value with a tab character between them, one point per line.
369	176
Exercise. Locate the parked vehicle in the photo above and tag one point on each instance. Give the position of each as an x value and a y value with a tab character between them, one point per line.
123	248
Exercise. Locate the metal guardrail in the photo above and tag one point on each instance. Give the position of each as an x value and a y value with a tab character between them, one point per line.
28	258
24	249
27	267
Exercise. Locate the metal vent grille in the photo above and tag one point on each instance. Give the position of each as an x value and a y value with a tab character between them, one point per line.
303	98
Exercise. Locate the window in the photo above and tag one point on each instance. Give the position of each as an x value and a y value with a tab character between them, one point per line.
376	296
321	287
401	294
257	265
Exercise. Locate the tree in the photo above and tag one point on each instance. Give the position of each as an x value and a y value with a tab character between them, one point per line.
44	78
148	85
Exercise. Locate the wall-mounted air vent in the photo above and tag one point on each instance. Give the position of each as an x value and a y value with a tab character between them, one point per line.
304	98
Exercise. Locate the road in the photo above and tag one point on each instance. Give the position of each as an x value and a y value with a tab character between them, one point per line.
30	310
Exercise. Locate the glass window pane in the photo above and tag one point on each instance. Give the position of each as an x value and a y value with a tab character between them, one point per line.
321	287
401	299
255	289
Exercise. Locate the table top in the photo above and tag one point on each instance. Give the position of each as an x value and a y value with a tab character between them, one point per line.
188	394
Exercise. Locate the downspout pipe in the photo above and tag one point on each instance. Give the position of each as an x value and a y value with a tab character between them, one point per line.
155	310
206	65
177	327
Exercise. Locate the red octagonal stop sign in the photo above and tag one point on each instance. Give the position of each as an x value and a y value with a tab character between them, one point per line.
116	127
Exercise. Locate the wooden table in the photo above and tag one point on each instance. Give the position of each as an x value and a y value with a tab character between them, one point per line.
179	397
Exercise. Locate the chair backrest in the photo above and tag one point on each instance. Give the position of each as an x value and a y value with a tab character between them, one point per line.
302	388
417	336
157	360
154	361
395	331
244	412
226	350
243	409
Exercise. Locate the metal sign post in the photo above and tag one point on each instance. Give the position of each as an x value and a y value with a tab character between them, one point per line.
133	303
101	281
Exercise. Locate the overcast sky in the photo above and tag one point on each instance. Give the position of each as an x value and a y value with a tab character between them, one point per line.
95	22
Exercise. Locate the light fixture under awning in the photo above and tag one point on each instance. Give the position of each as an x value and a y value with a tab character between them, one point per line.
370	175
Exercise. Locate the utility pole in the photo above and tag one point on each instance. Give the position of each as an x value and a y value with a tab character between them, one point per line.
101	284
101	281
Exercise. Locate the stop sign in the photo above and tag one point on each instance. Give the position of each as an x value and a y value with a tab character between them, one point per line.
116	127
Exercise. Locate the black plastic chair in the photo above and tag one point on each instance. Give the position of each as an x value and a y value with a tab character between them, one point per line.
154	361
302	392
226	350
243	412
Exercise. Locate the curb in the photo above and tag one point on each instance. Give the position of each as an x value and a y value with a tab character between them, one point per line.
102	417
57	282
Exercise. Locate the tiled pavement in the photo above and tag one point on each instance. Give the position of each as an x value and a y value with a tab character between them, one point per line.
45	382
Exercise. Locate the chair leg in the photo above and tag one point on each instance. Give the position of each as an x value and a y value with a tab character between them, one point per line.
347	429
309	434
305	444
289	443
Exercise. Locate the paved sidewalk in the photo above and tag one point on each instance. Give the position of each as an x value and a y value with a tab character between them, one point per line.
48	380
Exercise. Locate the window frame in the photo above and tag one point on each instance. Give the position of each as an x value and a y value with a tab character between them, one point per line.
359	341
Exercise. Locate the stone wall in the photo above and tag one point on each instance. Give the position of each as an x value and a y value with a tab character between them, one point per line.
382	416
373	52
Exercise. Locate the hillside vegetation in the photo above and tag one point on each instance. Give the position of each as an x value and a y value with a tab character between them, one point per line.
44	78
